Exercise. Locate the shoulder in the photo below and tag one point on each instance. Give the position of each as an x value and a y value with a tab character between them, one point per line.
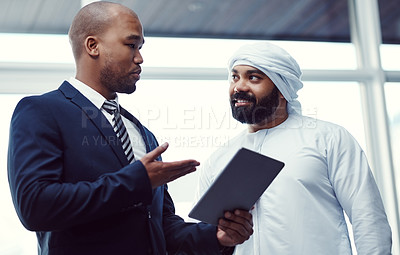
322	127
333	130
334	135
34	103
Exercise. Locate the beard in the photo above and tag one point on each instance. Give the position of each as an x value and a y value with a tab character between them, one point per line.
116	80
256	112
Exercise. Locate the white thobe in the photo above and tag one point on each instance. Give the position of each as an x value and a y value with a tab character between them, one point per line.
301	212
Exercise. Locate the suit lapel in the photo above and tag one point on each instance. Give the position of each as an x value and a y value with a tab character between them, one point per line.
92	113
135	121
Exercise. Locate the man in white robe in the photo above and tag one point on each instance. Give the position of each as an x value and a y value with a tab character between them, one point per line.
326	172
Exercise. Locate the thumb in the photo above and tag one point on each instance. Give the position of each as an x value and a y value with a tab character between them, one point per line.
152	155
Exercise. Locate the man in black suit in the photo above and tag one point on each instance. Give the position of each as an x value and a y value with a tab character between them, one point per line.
88	178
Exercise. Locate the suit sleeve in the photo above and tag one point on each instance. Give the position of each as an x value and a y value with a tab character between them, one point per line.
35	168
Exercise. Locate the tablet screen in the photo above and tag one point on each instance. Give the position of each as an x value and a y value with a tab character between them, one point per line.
241	183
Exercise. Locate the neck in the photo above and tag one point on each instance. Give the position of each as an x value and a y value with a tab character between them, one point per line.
277	118
96	85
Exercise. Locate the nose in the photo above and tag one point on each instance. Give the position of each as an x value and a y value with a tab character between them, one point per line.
241	85
137	58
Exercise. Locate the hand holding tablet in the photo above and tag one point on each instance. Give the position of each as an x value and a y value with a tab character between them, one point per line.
238	186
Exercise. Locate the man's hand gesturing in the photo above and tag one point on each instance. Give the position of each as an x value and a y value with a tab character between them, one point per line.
163	172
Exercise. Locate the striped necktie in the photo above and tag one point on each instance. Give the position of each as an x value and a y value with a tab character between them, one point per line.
119	128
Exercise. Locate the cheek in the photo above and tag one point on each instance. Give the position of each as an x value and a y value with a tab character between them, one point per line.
263	91
127	60
123	56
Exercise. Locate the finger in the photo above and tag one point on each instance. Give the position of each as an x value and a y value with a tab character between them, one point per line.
239	223
233	229
240	217
232	237
177	165
178	169
245	215
152	155
182	172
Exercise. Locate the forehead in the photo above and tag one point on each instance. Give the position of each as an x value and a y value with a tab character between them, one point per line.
246	69
126	26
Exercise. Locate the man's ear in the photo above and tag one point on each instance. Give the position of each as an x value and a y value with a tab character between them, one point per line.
92	46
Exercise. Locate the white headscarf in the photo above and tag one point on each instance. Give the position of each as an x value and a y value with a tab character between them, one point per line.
277	64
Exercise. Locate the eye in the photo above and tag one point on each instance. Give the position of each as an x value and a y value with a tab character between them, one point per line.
131	46
234	77
254	78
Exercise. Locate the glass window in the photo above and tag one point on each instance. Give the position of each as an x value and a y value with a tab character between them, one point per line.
392	91
42	48
216	52
337	102
178	52
389	13
390	55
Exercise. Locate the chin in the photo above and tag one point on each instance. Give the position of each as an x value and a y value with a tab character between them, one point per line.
131	90
128	90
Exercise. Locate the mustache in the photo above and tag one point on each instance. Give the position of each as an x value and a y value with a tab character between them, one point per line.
243	96
137	70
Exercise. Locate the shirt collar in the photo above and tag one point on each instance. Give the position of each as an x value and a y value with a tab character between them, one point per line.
95	97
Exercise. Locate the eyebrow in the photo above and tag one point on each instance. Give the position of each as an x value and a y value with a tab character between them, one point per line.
251	71
135	37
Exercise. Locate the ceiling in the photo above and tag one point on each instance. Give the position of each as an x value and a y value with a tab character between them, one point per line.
303	20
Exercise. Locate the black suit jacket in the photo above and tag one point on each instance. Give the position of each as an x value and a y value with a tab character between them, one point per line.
71	183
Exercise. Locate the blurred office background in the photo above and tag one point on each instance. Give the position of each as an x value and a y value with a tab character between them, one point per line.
349	51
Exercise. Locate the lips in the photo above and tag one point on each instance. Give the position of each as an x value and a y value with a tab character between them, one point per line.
242	99
136	73
241	102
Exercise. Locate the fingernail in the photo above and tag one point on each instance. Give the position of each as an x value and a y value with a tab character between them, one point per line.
164	145
228	215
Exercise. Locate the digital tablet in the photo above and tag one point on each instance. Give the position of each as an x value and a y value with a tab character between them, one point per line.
242	182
